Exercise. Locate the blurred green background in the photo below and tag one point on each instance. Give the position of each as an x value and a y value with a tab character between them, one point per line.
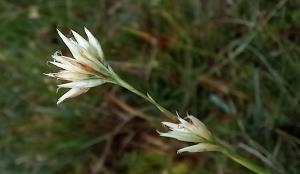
232	63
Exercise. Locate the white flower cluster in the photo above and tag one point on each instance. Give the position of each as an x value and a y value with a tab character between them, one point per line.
194	131
86	69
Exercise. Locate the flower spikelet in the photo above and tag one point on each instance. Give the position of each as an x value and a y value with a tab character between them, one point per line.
191	130
87	67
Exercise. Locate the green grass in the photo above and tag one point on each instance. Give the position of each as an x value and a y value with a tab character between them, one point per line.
234	66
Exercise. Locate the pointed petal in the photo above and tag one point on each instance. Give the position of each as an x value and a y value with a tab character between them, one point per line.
63	59
90	54
83	83
74	64
70	67
89	60
72	47
49	74
175	127
63	66
70	76
196	121
187	125
182	121
200	131
201	128
72	93
181	136
80	40
94	43
201	147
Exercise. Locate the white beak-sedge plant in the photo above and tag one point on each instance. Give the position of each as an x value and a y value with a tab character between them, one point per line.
88	69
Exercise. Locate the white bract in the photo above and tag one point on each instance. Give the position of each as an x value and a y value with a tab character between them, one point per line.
194	131
86	69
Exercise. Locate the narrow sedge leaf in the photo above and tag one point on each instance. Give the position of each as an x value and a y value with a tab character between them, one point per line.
156	104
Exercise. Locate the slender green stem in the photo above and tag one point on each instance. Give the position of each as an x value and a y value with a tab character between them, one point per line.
147	97
227	150
224	149
244	161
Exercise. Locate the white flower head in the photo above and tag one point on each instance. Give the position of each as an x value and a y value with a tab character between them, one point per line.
190	131
87	67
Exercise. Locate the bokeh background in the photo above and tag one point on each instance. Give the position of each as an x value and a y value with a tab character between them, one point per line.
234	64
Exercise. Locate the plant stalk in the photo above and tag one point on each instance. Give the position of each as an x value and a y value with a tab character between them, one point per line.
244	161
147	97
226	151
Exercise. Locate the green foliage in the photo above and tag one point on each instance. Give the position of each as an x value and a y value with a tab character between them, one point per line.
233	65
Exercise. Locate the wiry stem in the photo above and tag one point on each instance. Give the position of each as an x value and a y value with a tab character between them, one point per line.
243	161
147	97
225	150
